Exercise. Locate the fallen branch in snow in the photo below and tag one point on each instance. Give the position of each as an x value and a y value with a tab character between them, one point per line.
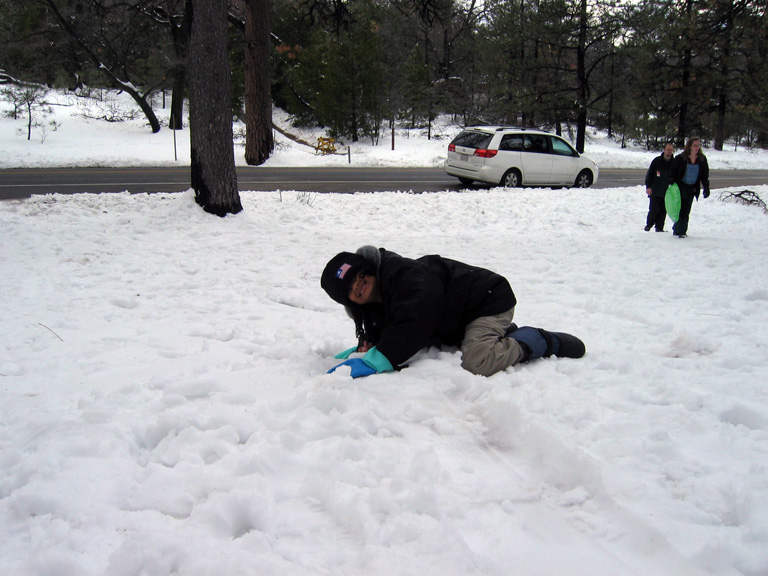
746	197
291	136
51	331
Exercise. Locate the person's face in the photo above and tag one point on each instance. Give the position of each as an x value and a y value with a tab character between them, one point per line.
363	289
669	150
695	146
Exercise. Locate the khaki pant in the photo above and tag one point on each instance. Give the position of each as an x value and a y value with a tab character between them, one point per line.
485	350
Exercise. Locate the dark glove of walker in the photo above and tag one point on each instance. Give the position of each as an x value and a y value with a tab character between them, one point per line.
706	193
359	368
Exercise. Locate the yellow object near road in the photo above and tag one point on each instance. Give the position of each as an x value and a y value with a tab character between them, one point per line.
326	146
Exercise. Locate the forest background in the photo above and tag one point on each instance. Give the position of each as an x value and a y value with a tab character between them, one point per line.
642	71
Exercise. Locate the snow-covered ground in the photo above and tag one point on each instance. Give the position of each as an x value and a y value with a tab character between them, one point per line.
166	408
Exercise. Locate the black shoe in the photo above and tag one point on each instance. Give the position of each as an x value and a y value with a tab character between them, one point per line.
570	346
660	230
647	228
567	345
681	235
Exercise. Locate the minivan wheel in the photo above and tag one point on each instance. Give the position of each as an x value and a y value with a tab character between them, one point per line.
584	179
512	179
465	181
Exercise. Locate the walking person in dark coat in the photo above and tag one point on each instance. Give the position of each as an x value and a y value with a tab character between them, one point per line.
656	184
690	171
401	305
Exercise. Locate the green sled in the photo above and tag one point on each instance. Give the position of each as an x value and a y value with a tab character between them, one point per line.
672	202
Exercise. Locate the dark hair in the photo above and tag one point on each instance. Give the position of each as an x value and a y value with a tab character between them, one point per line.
357	316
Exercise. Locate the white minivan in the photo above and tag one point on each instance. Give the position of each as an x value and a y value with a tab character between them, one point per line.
515	157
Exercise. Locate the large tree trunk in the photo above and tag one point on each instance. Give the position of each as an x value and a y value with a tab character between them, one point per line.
258	97
726	26
178	91
581	73
180	31
210	119
683	121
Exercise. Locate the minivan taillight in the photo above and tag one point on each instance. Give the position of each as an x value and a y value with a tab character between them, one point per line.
486	153
451	147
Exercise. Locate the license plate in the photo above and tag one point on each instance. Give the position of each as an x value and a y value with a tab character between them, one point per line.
464	157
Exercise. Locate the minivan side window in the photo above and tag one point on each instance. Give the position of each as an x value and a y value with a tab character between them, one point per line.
561	148
537	143
473	140
513	142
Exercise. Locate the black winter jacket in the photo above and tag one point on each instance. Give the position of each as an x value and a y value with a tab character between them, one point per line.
679	165
429	302
657	177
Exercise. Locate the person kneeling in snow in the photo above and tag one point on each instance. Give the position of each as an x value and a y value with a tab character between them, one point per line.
401	305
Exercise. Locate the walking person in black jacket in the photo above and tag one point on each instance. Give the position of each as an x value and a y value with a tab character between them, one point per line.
401	305
690	171
656	184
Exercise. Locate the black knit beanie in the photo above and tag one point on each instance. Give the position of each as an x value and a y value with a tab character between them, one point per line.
339	274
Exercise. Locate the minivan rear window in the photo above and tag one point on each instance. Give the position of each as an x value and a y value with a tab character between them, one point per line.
476	140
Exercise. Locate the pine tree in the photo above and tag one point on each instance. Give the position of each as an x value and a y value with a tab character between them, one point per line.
210	119
258	98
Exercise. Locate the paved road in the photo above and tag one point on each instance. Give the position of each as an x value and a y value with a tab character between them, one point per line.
22	183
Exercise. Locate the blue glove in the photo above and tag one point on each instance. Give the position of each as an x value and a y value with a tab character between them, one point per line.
359	367
372	363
